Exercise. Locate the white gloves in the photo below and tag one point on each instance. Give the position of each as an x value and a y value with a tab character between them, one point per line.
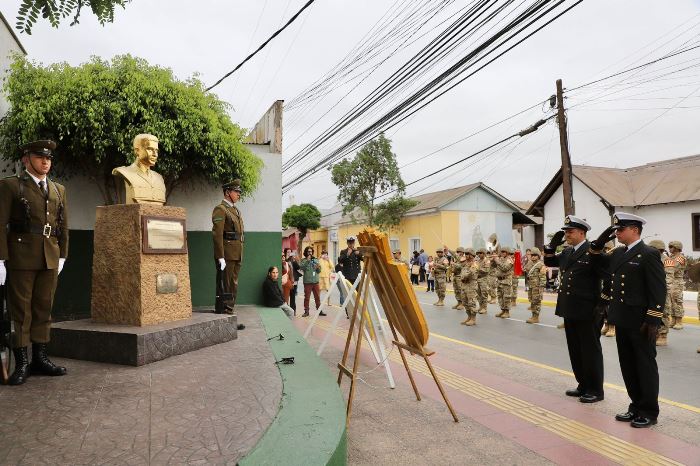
222	263
3	273
61	261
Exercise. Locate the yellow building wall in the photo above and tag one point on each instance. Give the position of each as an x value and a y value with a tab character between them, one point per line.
316	238
434	230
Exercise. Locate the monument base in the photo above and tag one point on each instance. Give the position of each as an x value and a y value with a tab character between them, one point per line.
135	346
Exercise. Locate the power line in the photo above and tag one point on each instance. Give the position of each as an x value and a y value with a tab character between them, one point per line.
291	20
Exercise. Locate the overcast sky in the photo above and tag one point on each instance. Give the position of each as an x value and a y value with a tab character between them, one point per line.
655	120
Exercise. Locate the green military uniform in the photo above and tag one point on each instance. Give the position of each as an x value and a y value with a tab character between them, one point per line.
456	269
482	280
504	273
469	276
662	336
676	261
514	280
440	273
228	235
536	281
33	246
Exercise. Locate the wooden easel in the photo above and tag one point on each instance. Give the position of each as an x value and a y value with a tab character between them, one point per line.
375	271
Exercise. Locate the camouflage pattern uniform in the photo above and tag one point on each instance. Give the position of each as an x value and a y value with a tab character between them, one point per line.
456	269
468	277
504	273
483	281
536	281
676	261
515	280
440	274
493	282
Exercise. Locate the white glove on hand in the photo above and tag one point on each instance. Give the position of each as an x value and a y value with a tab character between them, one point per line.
222	264
3	273
61	261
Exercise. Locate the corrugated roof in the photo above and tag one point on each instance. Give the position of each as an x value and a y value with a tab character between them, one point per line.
440	198
663	182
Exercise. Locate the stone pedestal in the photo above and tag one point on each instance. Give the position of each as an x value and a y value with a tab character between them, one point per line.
128	283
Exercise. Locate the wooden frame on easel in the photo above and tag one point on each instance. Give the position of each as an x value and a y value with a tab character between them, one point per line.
375	271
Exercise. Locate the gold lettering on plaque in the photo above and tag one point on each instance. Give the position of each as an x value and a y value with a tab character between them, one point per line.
165	234
166	283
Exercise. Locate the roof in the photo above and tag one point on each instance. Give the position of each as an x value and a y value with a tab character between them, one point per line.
438	199
12	32
663	182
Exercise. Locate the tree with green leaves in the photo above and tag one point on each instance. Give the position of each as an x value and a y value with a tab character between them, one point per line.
361	180
303	217
54	11
93	111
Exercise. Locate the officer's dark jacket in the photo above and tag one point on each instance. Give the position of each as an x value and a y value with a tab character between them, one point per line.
21	243
637	284
350	264
579	282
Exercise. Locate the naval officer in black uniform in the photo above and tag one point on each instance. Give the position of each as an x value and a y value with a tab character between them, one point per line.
637	294
577	302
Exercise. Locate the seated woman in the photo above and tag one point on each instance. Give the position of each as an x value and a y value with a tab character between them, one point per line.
272	295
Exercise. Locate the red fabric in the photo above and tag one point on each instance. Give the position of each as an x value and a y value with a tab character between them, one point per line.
518	266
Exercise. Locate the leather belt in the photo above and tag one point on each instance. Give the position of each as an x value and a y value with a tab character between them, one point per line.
43	230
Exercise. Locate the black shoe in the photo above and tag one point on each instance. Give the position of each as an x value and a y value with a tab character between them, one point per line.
21	372
240	327
625	417
305	314
574	392
41	364
587	398
322	314
641	422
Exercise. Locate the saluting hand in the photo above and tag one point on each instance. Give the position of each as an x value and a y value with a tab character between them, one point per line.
599	243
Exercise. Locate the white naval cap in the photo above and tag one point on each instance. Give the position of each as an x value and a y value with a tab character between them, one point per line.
350	238
574	222
623	219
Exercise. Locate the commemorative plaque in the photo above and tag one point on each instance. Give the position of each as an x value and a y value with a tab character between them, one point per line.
163	235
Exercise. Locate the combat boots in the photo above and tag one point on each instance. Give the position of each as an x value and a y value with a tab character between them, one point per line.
678	325
483	310
470	321
500	314
611	331
21	373
604	330
456	305
440	302
505	314
41	364
662	340
535	319
459	307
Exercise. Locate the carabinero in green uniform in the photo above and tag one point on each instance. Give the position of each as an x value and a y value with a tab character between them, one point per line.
33	249
228	236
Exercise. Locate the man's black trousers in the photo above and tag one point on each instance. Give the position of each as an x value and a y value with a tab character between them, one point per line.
639	370
585	354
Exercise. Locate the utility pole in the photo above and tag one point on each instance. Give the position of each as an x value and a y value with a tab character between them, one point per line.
569	208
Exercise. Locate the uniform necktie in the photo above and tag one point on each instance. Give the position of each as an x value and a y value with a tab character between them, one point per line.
42	186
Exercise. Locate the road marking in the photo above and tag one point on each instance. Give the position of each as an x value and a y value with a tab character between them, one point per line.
592	439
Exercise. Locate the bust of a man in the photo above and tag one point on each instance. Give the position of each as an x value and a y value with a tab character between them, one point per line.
141	184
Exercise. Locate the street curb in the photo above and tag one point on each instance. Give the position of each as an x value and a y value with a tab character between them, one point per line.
309	427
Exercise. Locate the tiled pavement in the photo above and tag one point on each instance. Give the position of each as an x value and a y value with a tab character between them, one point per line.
210	406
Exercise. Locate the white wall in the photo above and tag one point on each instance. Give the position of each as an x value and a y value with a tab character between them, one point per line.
260	211
8	45
668	222
587	206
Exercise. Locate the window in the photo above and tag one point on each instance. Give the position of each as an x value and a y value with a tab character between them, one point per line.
394	244
696	231
413	245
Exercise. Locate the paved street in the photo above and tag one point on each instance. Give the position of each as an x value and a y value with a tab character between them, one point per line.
506	380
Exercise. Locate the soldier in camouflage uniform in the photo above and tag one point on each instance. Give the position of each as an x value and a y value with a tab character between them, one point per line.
483	280
515	281
456	269
662	336
503	264
493	279
469	277
676	260
536	280
526	268
440	273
